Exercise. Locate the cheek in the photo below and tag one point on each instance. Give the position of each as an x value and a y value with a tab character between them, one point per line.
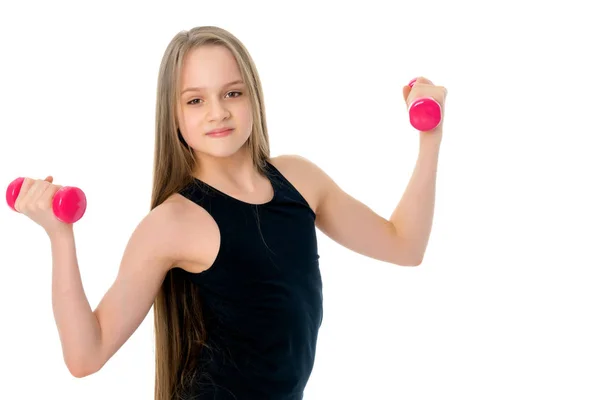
190	125
185	123
246	117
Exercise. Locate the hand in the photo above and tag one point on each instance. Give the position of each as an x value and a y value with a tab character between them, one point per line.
425	88
35	201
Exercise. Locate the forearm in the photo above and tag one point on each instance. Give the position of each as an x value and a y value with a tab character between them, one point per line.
413	217
77	325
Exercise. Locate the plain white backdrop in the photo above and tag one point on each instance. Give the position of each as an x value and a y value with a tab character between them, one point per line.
505	304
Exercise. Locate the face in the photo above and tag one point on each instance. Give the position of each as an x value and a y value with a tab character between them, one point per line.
213	97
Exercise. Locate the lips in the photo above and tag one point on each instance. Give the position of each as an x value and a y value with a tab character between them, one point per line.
220	131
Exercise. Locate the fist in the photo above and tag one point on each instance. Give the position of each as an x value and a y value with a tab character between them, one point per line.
35	201
425	88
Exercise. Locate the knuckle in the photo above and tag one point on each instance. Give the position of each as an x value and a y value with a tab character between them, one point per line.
19	204
27	182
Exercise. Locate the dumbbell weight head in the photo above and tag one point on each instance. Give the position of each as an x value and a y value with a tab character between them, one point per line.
13	192
69	203
424	113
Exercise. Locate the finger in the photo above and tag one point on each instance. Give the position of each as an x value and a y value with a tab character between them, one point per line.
49	178
38	187
423	80
44	201
25	187
418	82
48	195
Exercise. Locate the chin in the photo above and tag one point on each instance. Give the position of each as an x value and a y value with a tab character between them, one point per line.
223	151
222	154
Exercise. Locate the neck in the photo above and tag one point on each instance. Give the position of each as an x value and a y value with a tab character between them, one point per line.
235	171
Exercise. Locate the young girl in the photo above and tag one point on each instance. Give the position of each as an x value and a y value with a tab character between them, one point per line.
228	253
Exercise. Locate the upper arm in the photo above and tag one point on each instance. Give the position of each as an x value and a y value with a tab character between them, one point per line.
351	223
148	256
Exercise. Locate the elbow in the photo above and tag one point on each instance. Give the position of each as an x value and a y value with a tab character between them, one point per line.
81	371
412	263
407	253
406	260
81	368
418	260
78	373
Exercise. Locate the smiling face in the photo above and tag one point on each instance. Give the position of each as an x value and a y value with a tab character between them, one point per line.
213	96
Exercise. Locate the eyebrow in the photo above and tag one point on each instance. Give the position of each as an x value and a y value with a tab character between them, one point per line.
189	89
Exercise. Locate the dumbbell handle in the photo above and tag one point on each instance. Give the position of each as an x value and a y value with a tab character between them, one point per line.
424	113
69	203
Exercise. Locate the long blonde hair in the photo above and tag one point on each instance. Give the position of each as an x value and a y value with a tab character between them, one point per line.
178	325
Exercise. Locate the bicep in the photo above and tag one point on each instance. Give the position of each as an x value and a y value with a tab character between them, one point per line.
345	219
357	227
143	267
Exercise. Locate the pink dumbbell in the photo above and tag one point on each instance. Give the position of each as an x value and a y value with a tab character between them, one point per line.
69	203
425	113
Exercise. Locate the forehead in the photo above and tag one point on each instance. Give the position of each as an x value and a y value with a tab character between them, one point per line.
209	67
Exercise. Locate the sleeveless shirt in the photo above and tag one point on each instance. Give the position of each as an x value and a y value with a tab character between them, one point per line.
261	297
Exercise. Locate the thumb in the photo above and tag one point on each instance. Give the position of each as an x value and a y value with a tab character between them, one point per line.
49	178
406	92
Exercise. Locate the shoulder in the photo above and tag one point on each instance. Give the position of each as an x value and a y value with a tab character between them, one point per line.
176	228
177	211
306	175
167	217
294	164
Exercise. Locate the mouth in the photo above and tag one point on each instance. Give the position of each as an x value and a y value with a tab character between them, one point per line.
219	132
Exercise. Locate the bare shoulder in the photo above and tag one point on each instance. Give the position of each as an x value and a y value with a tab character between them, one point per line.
305	175
295	164
190	232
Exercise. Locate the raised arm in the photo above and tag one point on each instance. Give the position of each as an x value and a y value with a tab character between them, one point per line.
398	240
90	338
402	238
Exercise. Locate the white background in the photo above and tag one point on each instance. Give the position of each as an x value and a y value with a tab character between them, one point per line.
505	304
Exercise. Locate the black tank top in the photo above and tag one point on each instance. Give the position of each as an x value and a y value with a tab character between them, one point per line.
262	296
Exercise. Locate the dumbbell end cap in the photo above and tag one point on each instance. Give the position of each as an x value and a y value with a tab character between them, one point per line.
12	192
69	204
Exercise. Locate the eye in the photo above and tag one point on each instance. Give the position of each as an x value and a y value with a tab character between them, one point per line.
234	92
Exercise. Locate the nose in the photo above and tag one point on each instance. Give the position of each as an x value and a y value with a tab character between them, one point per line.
216	111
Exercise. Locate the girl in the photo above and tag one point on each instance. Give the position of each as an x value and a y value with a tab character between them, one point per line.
227	254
